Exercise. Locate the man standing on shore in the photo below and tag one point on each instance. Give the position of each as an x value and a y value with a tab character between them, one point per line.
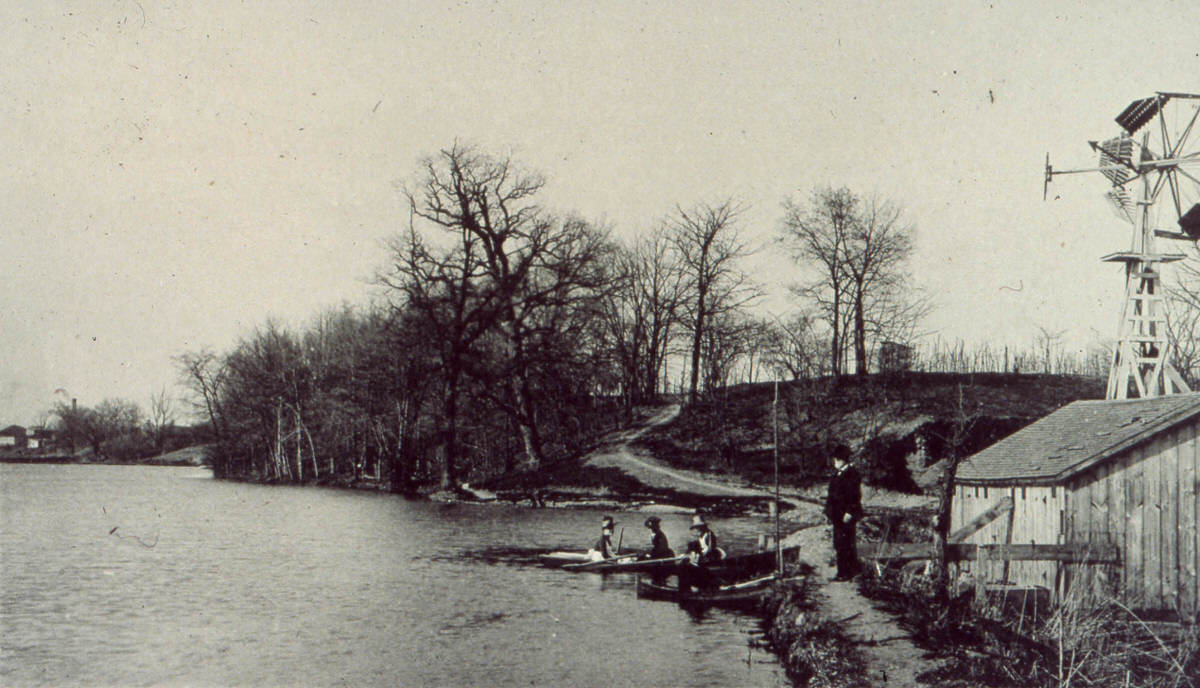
844	508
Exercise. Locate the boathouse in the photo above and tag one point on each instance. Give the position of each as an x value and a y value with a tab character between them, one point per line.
1119	473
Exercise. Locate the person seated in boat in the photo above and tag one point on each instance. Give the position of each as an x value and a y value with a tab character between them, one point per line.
659	547
707	541
693	574
604	548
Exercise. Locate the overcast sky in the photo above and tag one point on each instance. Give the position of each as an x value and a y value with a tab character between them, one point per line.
172	174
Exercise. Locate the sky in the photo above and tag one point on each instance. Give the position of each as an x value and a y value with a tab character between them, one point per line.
174	174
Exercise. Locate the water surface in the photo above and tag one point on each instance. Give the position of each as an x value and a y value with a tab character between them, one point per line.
131	575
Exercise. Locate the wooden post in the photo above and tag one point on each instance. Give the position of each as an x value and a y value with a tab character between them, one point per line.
981	575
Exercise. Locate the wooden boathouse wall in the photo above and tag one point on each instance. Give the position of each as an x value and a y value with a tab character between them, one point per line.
1035	519
1145	500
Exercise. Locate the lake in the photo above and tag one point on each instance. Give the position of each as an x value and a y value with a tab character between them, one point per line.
138	575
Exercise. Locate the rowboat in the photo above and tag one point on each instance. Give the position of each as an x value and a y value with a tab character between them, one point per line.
556	559
743	566
734	593
625	564
583	561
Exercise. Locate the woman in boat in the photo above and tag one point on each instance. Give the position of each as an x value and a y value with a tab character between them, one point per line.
659	547
693	574
706	540
604	548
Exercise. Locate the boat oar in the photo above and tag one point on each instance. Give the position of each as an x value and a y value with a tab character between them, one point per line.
619	538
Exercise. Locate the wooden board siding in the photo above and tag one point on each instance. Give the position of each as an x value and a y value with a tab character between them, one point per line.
1145	501
1189	523
1037	519
1152	562
1169	515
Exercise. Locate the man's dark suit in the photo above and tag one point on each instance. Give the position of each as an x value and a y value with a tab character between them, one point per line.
845	497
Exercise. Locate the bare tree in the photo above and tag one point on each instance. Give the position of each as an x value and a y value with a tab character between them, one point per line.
1183	319
445	290
879	243
1047	343
729	337
161	419
859	249
794	346
641	317
706	238
513	272
817	233
956	443
203	372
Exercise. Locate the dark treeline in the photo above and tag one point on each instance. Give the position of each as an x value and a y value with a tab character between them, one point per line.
506	335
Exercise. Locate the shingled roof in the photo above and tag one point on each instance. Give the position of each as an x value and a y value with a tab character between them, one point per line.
1075	437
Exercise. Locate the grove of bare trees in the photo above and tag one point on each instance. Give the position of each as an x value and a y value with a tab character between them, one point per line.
506	334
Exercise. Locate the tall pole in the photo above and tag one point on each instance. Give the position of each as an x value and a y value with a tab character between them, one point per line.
775	422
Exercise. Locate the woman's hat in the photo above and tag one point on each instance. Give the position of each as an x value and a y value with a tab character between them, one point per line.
698	521
653	521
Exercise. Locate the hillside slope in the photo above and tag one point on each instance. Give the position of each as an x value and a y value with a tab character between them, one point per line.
894	423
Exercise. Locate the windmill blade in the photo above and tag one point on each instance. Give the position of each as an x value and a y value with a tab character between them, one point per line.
1137	113
1116	158
1122	206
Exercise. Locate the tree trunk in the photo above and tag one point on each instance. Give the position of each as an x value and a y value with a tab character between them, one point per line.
448	446
835	357
527	424
697	335
860	335
941	529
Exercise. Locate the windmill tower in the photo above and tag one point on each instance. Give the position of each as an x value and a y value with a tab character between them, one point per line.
1153	166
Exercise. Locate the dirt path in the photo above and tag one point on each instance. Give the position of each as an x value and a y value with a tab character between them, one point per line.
649	471
893	660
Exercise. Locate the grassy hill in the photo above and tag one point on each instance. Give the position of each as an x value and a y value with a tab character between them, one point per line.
894	423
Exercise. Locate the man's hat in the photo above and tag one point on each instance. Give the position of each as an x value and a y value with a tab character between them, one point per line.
841	452
698	521
653	521
607	522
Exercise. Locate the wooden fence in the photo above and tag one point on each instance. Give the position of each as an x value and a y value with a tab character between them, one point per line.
982	556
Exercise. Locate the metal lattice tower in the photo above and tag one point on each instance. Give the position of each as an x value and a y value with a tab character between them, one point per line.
1154	180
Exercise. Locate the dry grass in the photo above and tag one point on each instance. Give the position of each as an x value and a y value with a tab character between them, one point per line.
1088	640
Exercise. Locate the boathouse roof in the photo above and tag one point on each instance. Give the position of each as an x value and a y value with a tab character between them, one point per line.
1076	437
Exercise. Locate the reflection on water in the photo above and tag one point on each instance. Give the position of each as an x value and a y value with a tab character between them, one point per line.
118	575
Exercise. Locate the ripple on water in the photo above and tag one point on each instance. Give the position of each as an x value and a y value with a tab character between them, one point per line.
253	585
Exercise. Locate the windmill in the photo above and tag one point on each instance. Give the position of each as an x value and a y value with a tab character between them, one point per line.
1153	166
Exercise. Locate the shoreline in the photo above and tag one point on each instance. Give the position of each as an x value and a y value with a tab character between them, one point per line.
81	461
